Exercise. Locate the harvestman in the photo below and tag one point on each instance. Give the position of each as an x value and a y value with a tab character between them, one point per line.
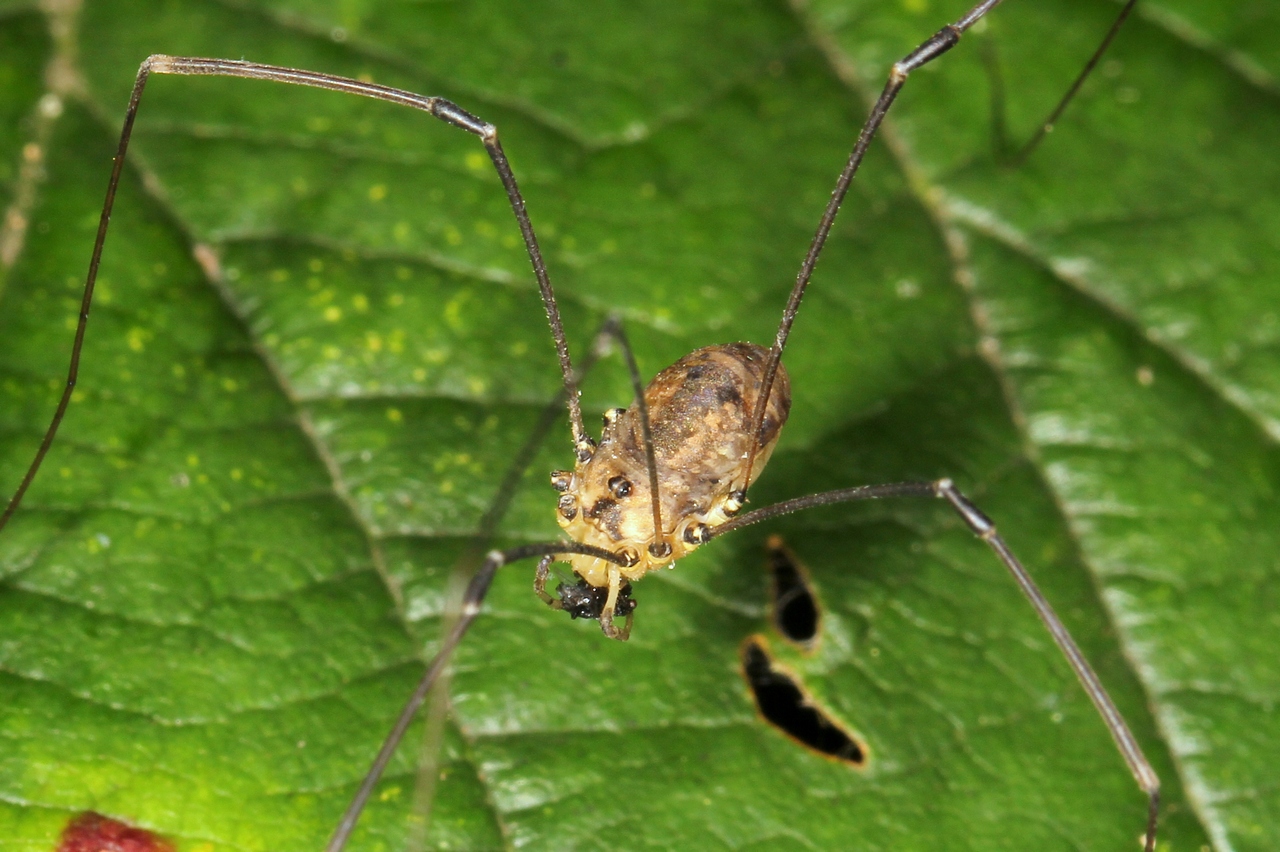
671	472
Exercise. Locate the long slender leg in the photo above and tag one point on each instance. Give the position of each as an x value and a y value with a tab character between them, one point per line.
471	601
933	47
440	108
999	122
982	527
1046	127
469	562
660	547
524	456
610	331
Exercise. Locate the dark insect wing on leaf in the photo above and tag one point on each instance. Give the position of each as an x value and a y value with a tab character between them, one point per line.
243	537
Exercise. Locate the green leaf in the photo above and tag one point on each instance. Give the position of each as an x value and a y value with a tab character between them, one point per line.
317	346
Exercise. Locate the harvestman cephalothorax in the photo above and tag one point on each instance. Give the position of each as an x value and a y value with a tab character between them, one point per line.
671	472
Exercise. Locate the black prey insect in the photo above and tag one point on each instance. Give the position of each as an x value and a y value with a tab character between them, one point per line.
671	472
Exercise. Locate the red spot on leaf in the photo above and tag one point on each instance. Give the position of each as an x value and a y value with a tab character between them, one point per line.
92	832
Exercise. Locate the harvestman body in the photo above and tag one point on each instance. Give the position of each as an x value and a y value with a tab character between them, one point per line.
670	472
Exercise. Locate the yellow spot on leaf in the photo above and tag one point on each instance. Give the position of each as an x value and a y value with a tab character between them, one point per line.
453	312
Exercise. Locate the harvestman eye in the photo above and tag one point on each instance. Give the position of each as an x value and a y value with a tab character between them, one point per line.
671	472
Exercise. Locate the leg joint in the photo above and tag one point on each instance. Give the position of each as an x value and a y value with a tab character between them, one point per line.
938	44
982	526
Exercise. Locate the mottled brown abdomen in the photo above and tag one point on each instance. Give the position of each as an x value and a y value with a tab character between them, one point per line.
700	411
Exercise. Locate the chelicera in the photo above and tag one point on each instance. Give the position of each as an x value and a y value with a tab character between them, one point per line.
672	471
